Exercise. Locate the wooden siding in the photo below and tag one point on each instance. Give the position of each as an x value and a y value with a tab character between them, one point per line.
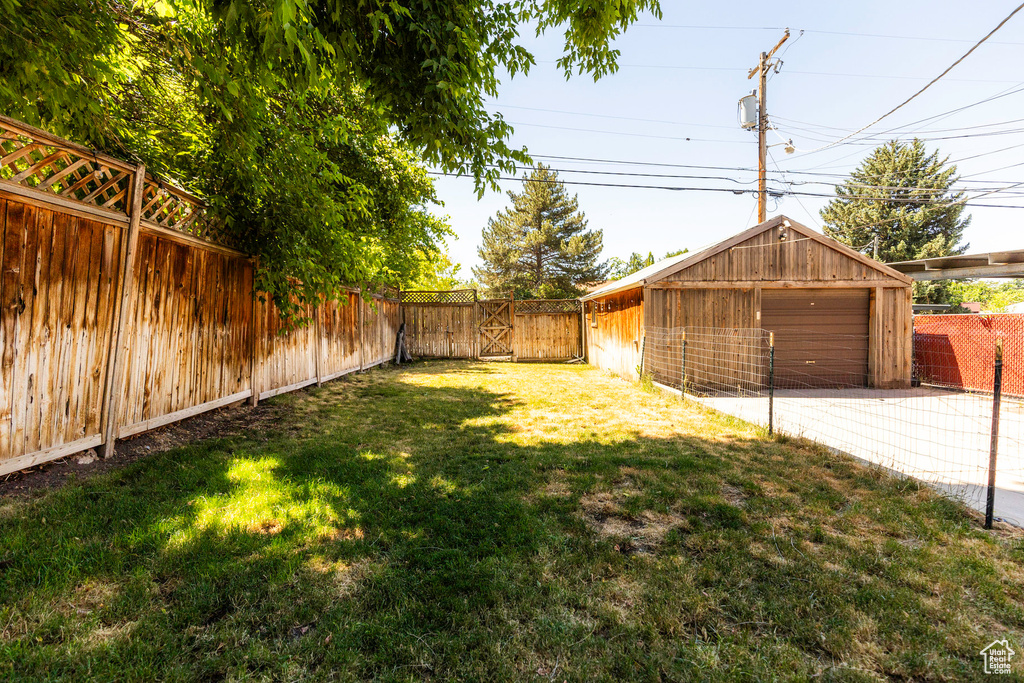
891	346
765	258
723	308
710	362
614	343
726	290
547	336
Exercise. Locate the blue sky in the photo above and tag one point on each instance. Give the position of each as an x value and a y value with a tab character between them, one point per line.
677	82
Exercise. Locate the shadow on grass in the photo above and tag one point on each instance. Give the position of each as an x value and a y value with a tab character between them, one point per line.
392	529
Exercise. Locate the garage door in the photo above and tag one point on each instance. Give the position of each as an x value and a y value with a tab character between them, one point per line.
821	336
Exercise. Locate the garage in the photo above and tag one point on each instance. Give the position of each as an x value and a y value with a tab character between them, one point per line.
840	318
821	336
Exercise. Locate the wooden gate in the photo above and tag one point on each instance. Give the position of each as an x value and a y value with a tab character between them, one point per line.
496	330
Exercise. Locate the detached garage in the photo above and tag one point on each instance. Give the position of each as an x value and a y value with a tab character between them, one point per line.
838	318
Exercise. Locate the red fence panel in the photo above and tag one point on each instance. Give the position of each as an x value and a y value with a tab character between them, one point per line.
959	350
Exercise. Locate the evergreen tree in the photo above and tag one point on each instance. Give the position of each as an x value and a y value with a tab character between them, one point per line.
540	246
900	195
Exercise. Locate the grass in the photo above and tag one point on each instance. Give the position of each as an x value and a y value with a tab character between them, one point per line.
462	521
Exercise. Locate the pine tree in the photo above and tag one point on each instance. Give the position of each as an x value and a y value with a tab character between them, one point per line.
540	246
900	195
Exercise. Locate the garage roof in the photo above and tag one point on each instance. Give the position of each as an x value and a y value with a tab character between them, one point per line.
674	264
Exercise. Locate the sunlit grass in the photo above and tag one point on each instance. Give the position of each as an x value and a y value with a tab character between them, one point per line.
480	521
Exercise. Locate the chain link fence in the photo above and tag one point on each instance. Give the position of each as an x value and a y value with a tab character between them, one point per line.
818	386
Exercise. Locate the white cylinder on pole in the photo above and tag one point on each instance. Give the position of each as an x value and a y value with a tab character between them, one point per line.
748	112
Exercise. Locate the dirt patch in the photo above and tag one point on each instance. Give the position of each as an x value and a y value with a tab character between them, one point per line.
236	420
636	534
355	534
267	527
556	488
733	495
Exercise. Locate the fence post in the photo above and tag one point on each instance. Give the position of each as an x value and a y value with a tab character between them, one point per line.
362	353
115	356
771	383
254	346
512	325
643	349
997	390
316	340
682	381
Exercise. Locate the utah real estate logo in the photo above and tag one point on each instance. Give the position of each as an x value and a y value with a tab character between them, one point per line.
997	657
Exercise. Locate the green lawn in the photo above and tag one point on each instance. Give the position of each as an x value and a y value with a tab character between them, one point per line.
490	521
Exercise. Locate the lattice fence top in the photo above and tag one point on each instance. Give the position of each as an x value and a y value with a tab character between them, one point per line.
458	296
48	168
542	306
36	160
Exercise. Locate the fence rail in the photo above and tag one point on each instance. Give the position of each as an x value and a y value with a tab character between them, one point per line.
816	386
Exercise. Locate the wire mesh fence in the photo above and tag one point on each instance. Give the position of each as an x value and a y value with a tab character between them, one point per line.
819	386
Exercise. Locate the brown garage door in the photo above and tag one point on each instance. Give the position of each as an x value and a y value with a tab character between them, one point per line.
821	336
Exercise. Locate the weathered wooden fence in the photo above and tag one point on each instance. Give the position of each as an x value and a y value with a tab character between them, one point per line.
457	324
119	311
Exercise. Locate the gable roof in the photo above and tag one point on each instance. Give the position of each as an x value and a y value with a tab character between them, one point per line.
669	266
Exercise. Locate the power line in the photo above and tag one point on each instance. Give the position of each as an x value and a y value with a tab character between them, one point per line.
622	162
796	72
929	84
609	116
936	117
819	32
741	192
627	134
993	184
818	127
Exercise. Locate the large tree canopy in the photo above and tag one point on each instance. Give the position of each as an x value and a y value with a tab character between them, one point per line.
540	246
302	123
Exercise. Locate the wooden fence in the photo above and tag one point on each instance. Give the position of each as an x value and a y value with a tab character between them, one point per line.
457	324
119	311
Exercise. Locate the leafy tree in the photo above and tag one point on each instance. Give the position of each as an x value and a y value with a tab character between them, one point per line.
437	273
994	298
540	247
618	268
303	125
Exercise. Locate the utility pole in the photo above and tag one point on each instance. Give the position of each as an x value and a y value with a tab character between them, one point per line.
762	68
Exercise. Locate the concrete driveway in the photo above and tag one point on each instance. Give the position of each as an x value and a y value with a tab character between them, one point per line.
940	437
